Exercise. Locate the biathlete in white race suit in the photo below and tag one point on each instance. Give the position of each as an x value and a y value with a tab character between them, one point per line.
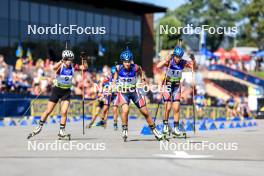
104	101
126	74
60	91
175	66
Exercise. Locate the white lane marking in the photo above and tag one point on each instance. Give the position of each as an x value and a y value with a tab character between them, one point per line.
182	154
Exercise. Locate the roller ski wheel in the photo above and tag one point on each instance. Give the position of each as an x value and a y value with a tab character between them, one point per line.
125	135
184	135
125	138
64	137
34	133
31	135
176	133
88	126
165	138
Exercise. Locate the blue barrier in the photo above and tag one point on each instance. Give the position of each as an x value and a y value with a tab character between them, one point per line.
23	123
189	126
212	126
250	124
244	124
159	127
53	121
146	131
2	124
220	119
132	117
238	125
34	122
221	126
11	123
231	125
235	119
76	119
203	126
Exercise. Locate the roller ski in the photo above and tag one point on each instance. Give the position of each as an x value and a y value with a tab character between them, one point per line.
124	135
89	126
63	136
35	132
177	133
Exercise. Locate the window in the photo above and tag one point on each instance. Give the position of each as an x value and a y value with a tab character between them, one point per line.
14	27
72	17
81	18
53	15
44	14
14	42
3	8
72	21
98	20
24	11
63	16
34	13
24	33
114	25
89	19
106	23
137	28
14	9
122	26
4	30
130	29
3	41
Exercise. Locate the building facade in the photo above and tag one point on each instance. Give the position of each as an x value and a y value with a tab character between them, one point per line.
123	21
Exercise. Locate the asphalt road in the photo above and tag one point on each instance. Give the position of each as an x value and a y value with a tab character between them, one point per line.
103	152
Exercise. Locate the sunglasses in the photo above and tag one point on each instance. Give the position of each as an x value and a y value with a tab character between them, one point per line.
68	59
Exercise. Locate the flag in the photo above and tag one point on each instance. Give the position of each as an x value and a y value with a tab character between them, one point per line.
101	50
19	50
29	54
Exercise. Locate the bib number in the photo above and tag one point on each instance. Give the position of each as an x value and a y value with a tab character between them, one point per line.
174	73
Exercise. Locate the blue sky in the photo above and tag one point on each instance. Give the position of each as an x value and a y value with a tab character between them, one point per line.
170	4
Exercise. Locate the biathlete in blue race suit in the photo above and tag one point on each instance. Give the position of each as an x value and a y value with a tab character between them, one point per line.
126	74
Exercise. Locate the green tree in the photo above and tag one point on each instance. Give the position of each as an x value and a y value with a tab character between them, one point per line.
169	40
214	13
252	33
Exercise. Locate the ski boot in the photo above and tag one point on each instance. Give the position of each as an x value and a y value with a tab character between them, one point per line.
63	136
157	135
100	123
177	132
35	132
115	127
166	131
